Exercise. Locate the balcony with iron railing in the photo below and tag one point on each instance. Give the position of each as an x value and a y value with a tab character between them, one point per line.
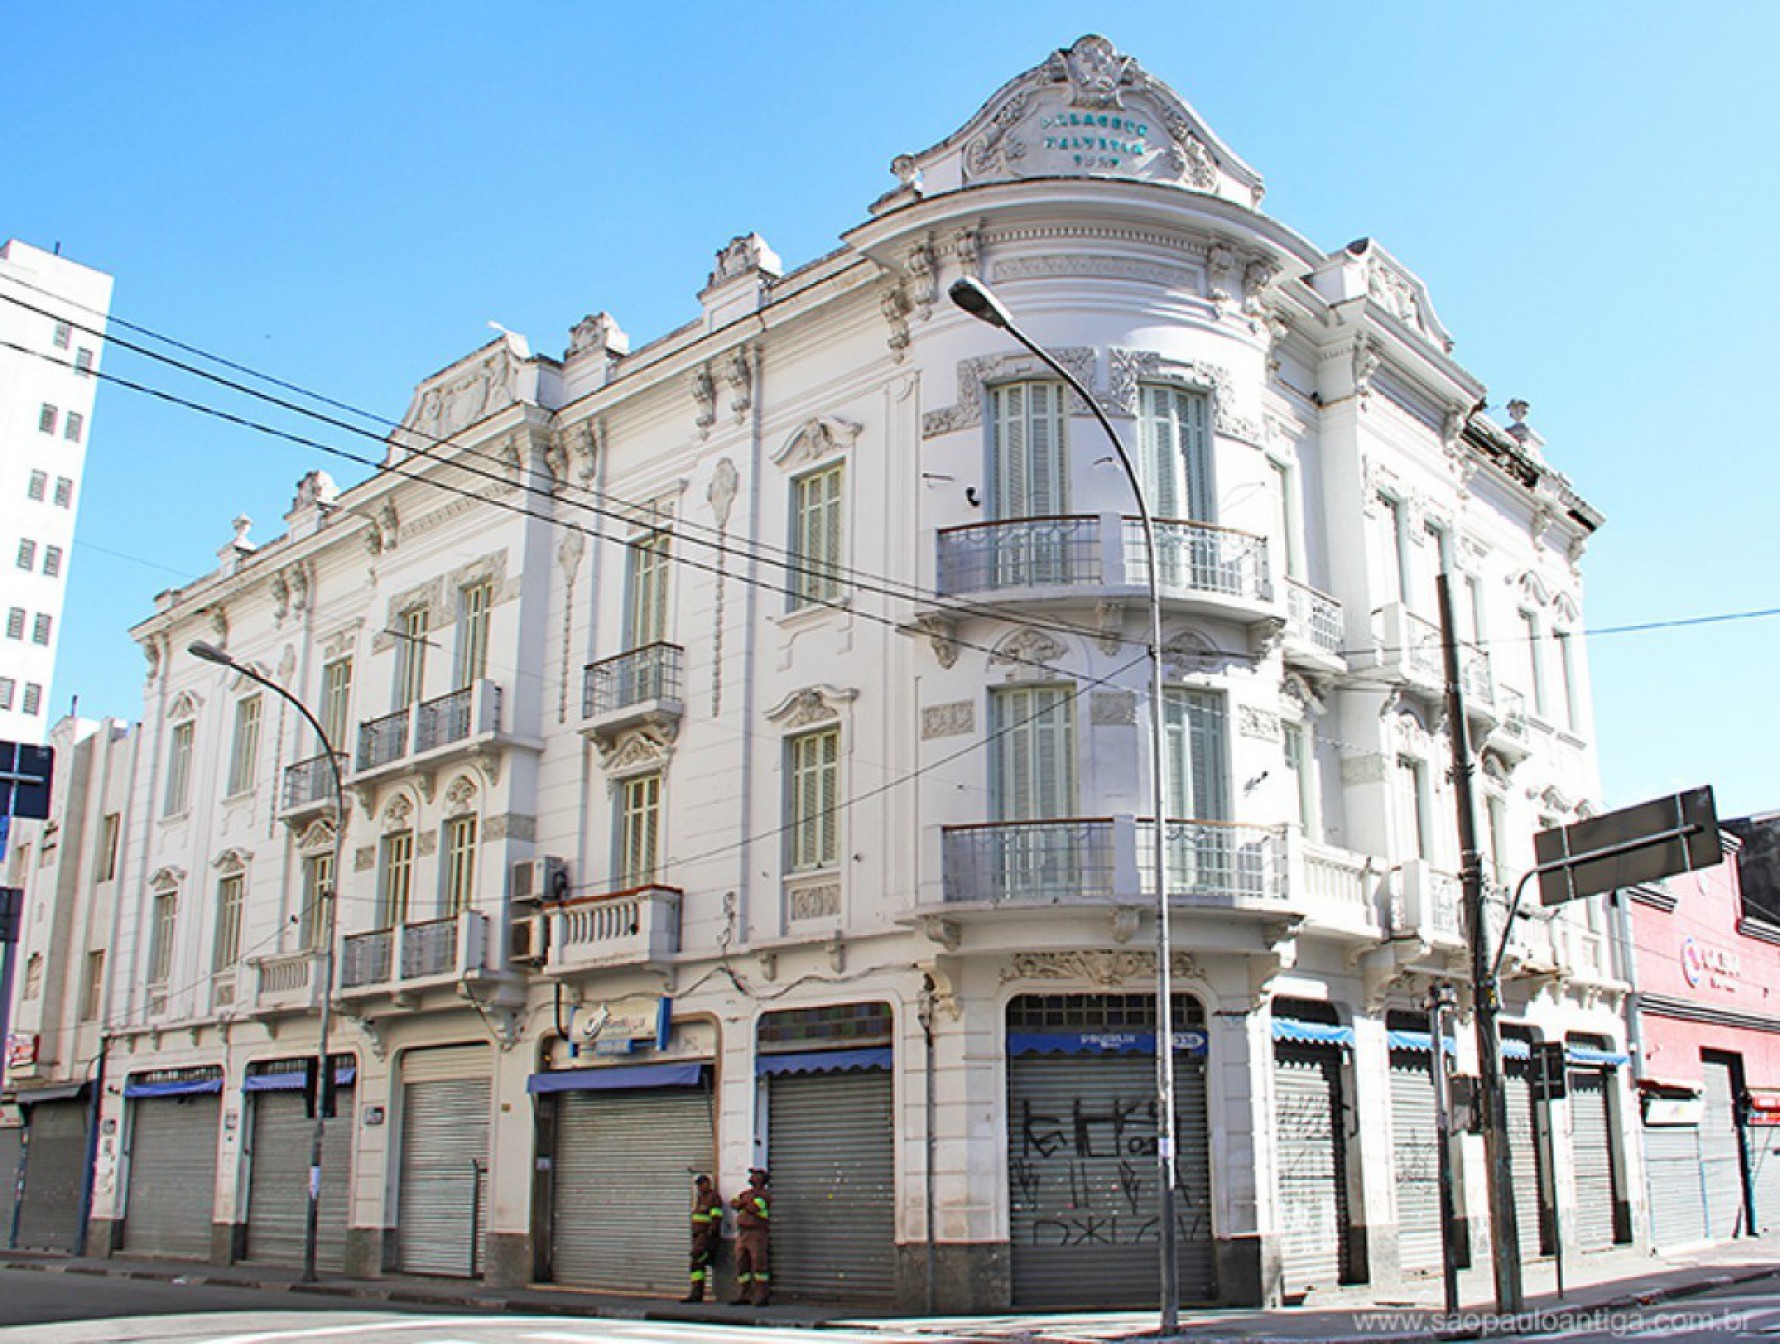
1412	650
309	786
414	956
1316	629
633	689
1109	861
428	733
638	927
1198	565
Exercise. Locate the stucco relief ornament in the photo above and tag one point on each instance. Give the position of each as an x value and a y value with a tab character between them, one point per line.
219	625
513	458
704	398
721	493
1365	364
739	374
1028	648
461	796
968	245
896	307
1257	280
1095	72
986	148
153	650
299	587
940	638
923	277
556	462
1221	266
280	597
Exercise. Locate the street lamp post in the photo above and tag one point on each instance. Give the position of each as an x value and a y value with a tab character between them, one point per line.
324	1083
975	298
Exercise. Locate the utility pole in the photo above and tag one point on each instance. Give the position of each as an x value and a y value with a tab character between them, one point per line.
1440	1000
1504	1230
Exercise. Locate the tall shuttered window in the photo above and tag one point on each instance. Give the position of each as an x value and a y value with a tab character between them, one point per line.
645	612
395	879
336	702
1033	765
1197	758
1030	471
92	989
473	603
814	767
1174	448
816	540
229	896
460	864
411	657
160	936
639	831
244	753
179	770
318	876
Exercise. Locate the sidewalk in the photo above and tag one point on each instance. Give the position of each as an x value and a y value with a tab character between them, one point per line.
1595	1288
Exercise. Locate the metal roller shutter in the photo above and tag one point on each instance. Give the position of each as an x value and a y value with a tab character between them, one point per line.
1764	1163
622	1185
1672	1173
1415	1157
1721	1156
172	1176
1526	1160
278	1181
1312	1155
55	1173
12	1148
444	1166
1591	1152
1082	1180
831	1146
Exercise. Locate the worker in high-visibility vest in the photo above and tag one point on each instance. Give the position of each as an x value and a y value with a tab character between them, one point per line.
707	1227
753	1223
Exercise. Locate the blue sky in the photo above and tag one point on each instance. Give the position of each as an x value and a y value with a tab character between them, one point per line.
344	195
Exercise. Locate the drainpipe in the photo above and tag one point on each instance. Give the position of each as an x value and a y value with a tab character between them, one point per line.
925	1013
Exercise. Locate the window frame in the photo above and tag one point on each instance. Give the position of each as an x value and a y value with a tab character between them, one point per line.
244	744
1019	727
818	535
176	800
231	905
813	801
475	607
459	841
395	879
636	830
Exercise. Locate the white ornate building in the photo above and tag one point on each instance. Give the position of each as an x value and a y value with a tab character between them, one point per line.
743	740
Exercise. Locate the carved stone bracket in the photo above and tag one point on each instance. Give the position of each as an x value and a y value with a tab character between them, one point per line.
704	398
940	635
895	304
948	933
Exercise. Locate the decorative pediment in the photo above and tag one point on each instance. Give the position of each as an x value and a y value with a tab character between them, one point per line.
811	706
1533	588
232	861
1127	369
185	706
1192	651
166	879
1307	697
317	835
1400	292
635	751
470	390
399	814
460	796
1086	111
1029	649
978	372
816	440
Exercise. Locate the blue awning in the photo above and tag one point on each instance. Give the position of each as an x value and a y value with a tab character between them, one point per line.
176	1087
291	1080
1586	1054
824	1061
1312	1033
1099	1042
1515	1048
1417	1040
617	1077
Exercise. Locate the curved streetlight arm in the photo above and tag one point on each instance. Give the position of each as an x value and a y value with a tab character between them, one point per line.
209	653
980	302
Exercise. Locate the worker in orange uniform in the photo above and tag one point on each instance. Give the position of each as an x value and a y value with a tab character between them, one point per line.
753	1222
707	1227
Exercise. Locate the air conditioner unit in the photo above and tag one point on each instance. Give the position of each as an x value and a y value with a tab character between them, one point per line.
535	881
528	940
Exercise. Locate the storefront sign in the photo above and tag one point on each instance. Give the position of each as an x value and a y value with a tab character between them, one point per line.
1764	1108
21	1050
1715	967
1673	1110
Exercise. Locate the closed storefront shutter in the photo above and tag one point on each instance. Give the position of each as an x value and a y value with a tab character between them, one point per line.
172	1175
1082	1179
1764	1164
1312	1159
622	1186
280	1139
12	1148
1415	1156
1526	1159
831	1151
1721	1157
1591	1151
443	1202
55	1172
1672	1173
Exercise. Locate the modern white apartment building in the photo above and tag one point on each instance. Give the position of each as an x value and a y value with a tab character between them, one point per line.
744	744
52	320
